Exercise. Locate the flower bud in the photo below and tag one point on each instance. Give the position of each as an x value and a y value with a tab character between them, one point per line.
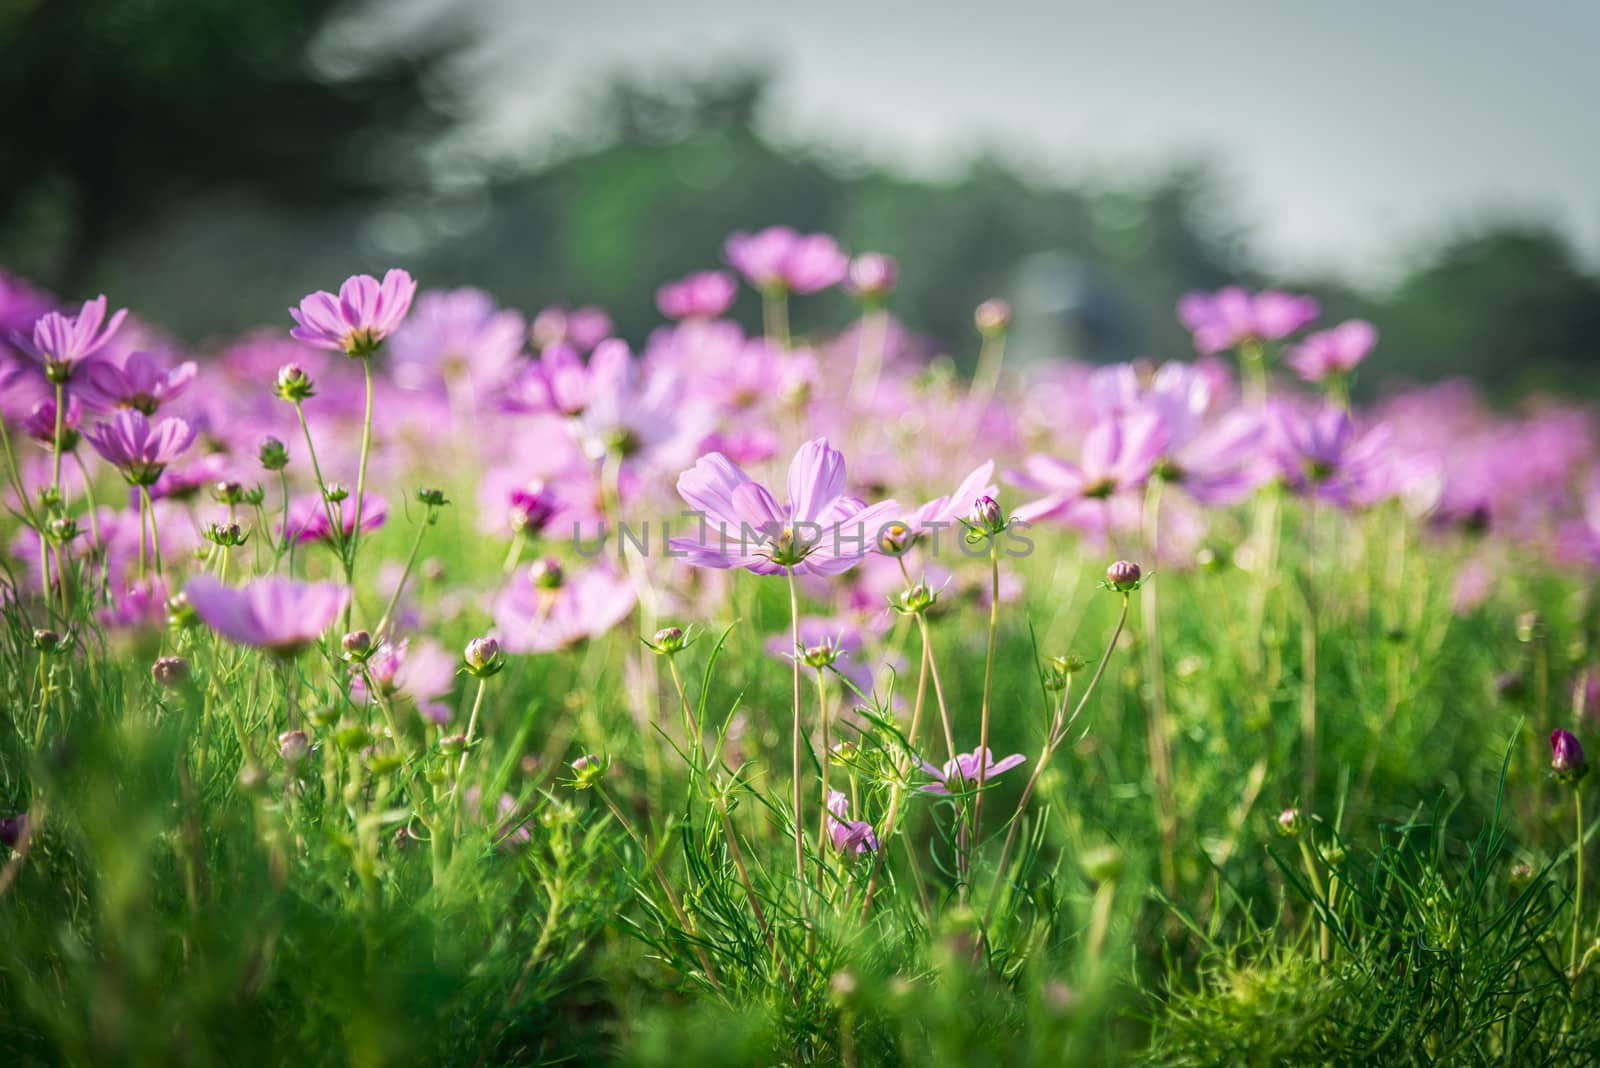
1529	627
987	516
357	645
273	454
1291	823
62	529
1123	576
916	600
452	745
546	574
227	492
821	655
13	829
293	746
1567	762
47	641
170	672
335	493
992	317
586	771
483	657
180	613
1102	864
668	641
294	385
894	539
1521	874
352	736
433	498
872	277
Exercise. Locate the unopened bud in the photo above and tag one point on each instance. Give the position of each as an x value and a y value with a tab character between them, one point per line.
992	317
483	657
357	645
294	385
273	454
1291	823
1123	576
170	671
293	746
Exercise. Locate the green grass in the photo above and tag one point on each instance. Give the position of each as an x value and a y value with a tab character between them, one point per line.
170	911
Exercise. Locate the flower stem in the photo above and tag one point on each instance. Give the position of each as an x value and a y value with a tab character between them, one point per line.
1577	893
827	761
155	534
466	746
775	315
799	833
394	599
1159	727
988	687
61	429
361	482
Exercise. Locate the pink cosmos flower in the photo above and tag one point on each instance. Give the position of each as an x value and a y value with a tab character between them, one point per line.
137	449
1222	320
424	672
706	295
1320	454
962	774
780	258
279	615
943	512
141	383
1333	352
308	517
819	531
357	320
40	425
1118	456
454	335
551	612
582	328
142	606
849	836
61	343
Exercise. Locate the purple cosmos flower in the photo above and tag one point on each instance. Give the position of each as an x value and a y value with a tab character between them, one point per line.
40	425
780	258
357	320
820	530
142	606
552	611
1118	456
1222	320
961	774
308	517
849	836
278	615
582	328
63	342
1320	454
136	448
141	383
706	295
1332	352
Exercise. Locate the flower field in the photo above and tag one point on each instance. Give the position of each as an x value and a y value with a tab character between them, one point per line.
415	681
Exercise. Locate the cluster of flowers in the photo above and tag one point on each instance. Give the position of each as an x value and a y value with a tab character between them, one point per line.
562	433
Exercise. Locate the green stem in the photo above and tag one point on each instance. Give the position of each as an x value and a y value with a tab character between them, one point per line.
775	315
1577	893
155	533
61	428
466	747
361	482
1159	728
988	687
799	824
394	599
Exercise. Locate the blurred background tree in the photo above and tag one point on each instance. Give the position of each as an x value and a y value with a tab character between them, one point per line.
208	161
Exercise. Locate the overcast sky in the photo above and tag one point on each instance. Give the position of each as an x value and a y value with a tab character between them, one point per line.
1355	131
